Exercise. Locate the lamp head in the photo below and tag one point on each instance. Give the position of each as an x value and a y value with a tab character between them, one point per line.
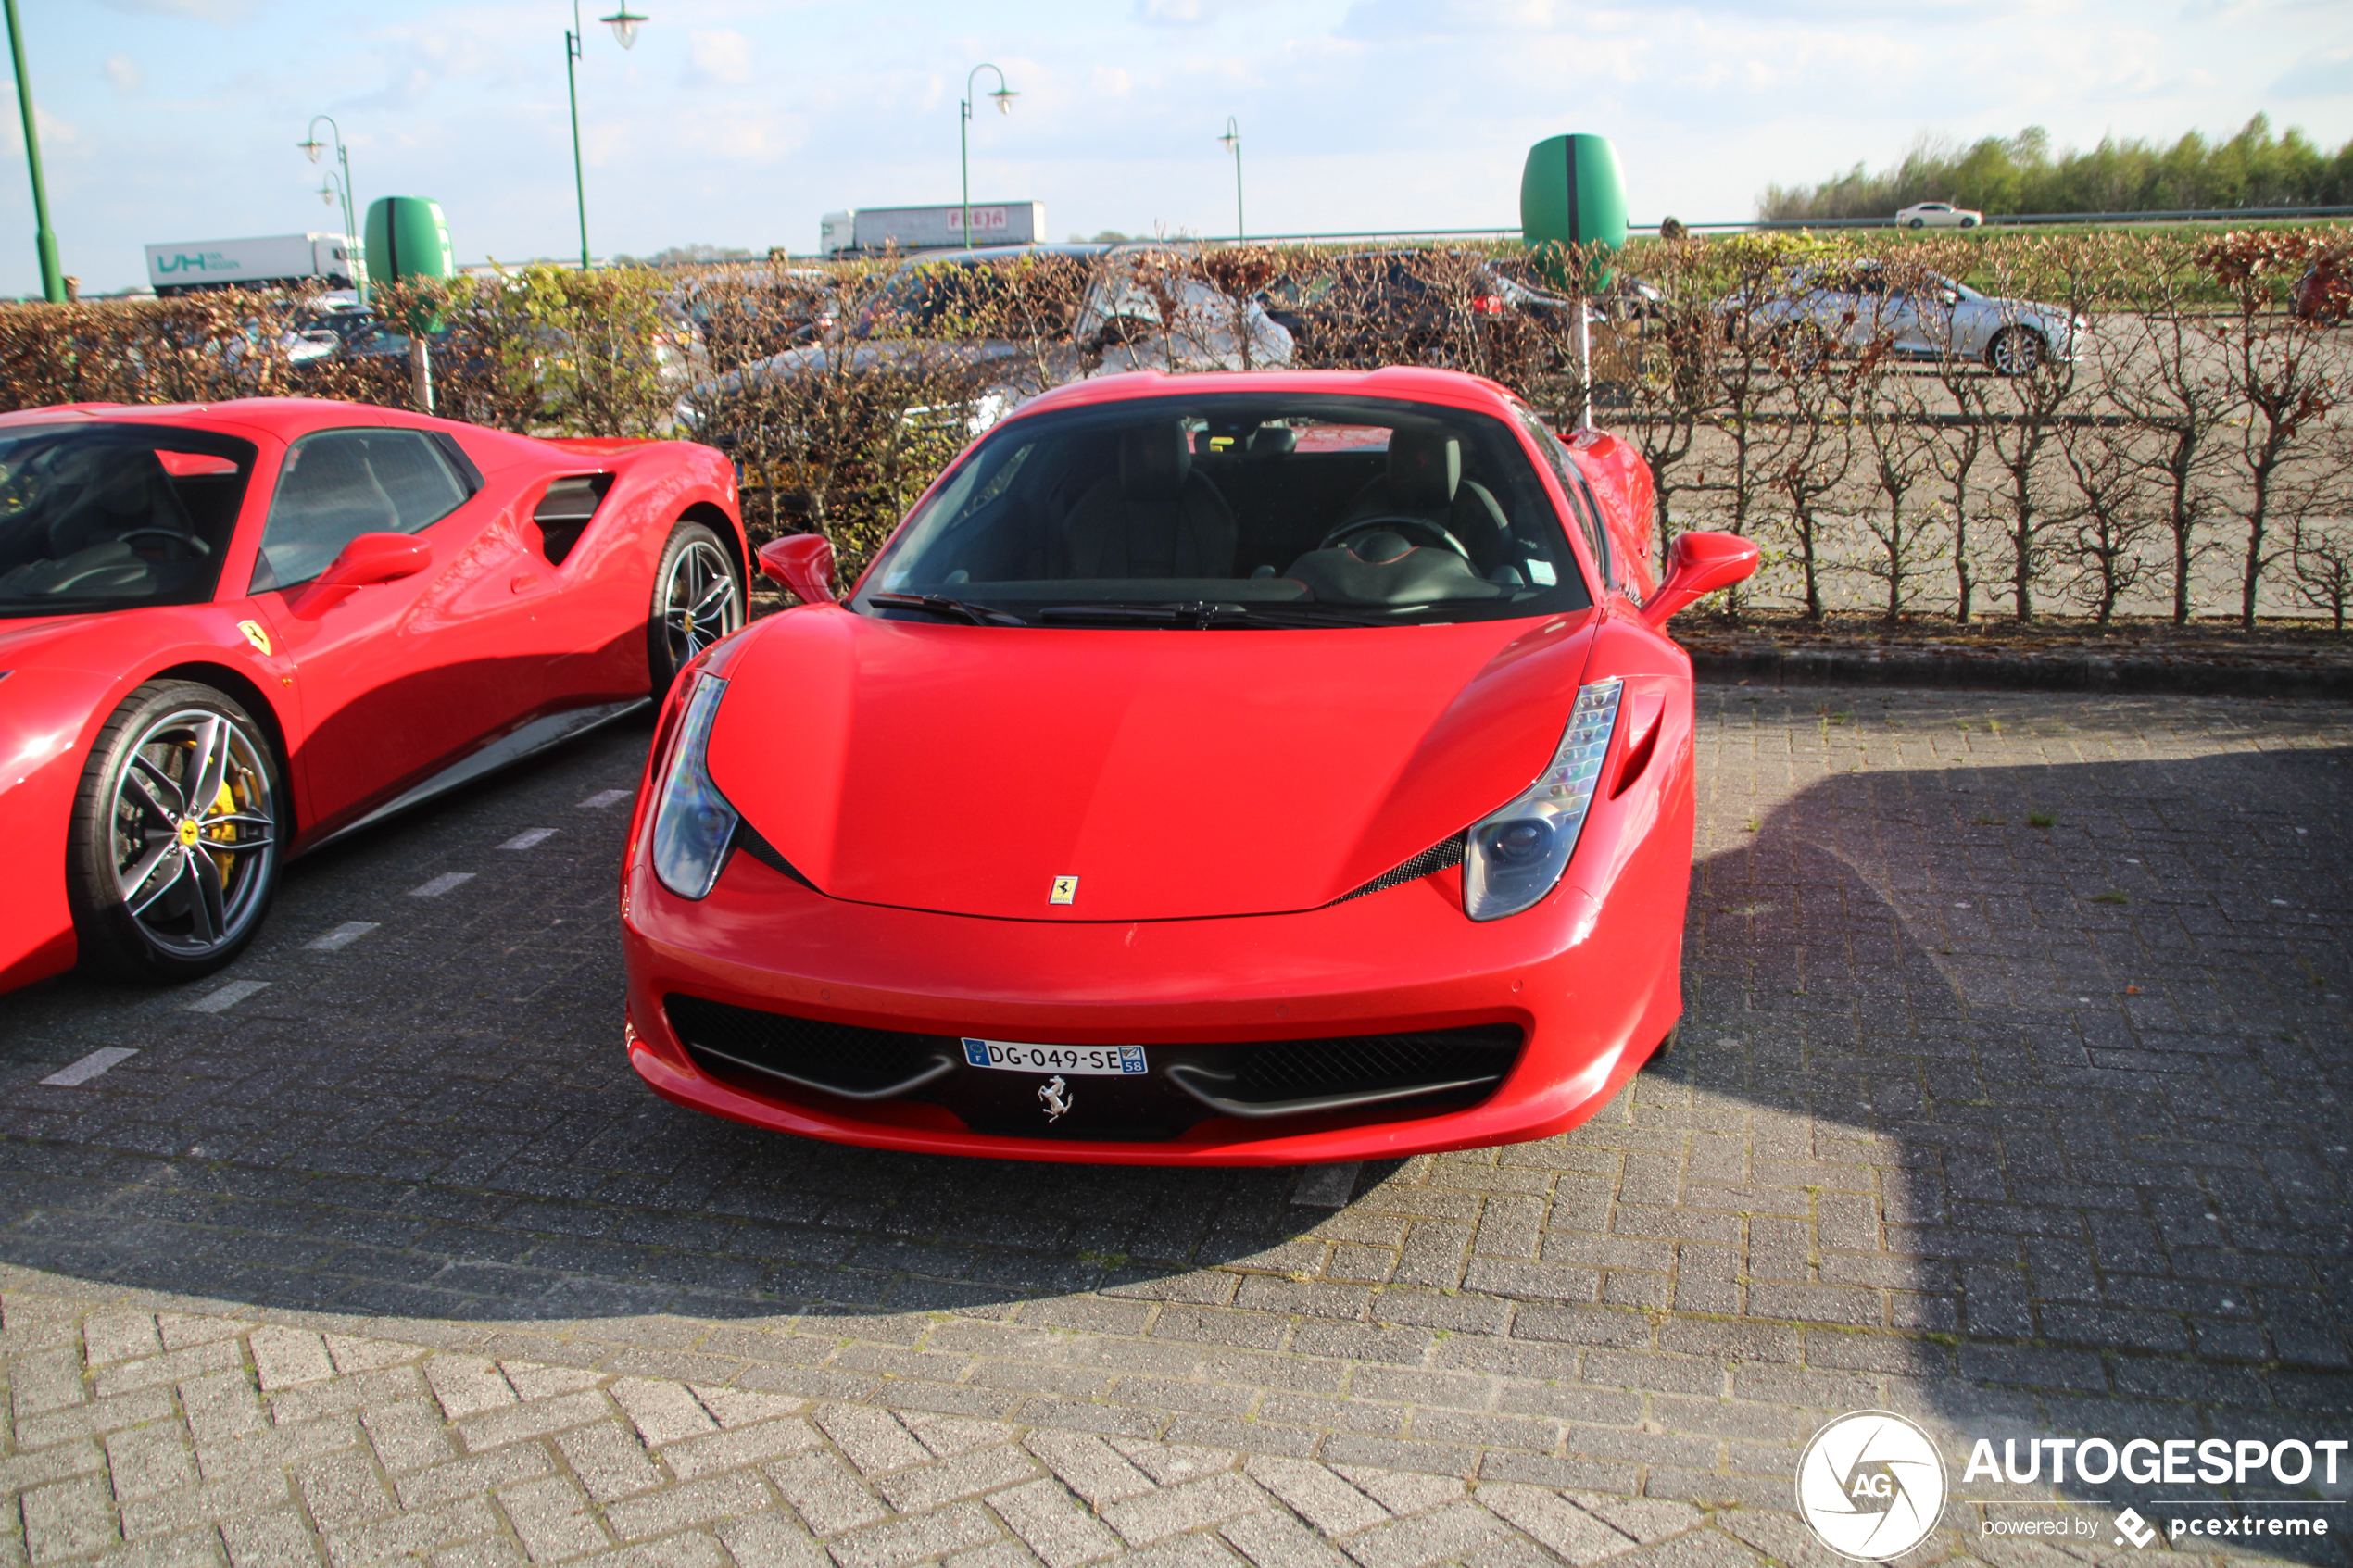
624	25
326	193
312	148
1004	96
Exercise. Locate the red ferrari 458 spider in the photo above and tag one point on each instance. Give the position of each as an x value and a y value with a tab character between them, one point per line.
230	632
1244	769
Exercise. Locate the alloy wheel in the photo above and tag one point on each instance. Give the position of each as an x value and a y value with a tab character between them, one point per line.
2017	351
195	832
699	603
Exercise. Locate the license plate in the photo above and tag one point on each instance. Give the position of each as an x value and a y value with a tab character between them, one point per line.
1014	1056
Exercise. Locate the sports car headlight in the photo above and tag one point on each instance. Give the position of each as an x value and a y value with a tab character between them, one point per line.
692	824
1515	857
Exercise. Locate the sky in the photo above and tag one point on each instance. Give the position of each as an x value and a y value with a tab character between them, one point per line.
740	124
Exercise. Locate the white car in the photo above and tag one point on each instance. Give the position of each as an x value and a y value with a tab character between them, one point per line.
1938	215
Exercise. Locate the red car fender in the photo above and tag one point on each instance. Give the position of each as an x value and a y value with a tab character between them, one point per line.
1621	481
62	699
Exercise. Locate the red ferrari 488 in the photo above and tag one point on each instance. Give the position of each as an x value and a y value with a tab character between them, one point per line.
1222	769
230	632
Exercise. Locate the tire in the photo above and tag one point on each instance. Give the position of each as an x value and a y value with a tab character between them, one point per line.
698	599
166	884
1916	224
2015	351
1969	222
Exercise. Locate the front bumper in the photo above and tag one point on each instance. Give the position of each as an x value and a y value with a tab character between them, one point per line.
1590	983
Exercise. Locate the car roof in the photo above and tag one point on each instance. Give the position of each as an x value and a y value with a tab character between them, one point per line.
982	256
1405	383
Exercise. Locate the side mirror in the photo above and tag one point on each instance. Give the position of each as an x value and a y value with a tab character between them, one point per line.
1698	564
372	558
803	562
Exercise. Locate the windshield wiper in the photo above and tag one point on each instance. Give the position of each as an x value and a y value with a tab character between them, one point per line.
946	609
1203	615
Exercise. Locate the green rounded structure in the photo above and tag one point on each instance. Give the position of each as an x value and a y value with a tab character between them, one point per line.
408	237
1572	195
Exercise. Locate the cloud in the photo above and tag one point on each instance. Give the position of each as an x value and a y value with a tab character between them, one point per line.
721	55
222	13
2322	77
123	73
1183	13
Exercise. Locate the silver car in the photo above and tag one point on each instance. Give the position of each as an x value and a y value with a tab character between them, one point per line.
1850	306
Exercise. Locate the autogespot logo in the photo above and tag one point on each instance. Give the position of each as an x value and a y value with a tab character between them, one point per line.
1871	1484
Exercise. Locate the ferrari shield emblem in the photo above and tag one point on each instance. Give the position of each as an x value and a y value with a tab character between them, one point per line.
256	635
1065	891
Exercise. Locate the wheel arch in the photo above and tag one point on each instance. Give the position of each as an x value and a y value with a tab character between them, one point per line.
236	684
715	517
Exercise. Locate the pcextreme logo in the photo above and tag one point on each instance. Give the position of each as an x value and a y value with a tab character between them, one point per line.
1872	1485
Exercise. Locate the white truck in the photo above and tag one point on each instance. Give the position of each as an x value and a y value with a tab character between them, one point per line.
931	228
192	266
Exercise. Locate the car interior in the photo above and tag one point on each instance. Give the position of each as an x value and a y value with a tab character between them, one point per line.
99	515
1404	511
340	483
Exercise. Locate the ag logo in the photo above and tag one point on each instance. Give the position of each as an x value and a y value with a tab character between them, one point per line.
1871	1484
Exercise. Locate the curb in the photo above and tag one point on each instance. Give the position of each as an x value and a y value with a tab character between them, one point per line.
2076	672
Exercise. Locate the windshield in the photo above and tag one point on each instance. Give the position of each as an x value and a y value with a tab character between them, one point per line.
1236	508
111	516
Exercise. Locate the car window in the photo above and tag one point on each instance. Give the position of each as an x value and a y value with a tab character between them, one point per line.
1581	504
97	516
1359	510
340	483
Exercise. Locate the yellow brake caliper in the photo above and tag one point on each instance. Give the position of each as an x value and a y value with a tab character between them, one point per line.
223	832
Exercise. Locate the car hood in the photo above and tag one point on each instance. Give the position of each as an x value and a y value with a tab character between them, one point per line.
1176	774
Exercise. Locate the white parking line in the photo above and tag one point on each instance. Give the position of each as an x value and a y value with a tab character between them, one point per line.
342	935
1327	1186
441	885
526	839
605	798
90	1066
227	996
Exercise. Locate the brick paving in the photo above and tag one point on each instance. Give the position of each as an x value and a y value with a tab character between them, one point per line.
2010	1097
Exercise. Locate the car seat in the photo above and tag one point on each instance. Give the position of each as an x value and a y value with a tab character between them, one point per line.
1156	516
1425	479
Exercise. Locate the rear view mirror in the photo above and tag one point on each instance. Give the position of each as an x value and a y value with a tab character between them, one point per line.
372	558
803	562
1698	564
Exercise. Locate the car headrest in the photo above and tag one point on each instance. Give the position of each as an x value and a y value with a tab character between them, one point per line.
1153	460
1272	441
1424	468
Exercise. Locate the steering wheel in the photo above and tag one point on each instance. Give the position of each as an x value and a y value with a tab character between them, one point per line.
1430	533
190	546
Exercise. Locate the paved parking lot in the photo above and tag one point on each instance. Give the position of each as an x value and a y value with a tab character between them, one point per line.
2011	1098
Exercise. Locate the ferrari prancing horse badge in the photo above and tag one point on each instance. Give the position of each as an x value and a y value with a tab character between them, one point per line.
256	635
1065	891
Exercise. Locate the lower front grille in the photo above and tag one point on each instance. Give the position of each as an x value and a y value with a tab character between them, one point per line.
843	1059
1417	1072
1287	1070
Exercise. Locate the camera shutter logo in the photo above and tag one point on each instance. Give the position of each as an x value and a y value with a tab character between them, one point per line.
1872	1485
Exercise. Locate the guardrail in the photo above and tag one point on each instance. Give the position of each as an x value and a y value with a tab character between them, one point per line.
1992	221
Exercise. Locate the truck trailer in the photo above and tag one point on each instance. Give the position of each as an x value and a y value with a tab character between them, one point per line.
871	229
271	260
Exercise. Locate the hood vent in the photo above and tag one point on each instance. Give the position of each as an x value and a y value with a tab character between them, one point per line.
1437	858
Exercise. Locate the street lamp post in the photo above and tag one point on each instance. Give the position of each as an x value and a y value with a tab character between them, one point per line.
312	147
53	278
625	28
1004	96
1233	140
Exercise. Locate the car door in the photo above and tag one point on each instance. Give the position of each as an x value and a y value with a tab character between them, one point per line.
394	681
